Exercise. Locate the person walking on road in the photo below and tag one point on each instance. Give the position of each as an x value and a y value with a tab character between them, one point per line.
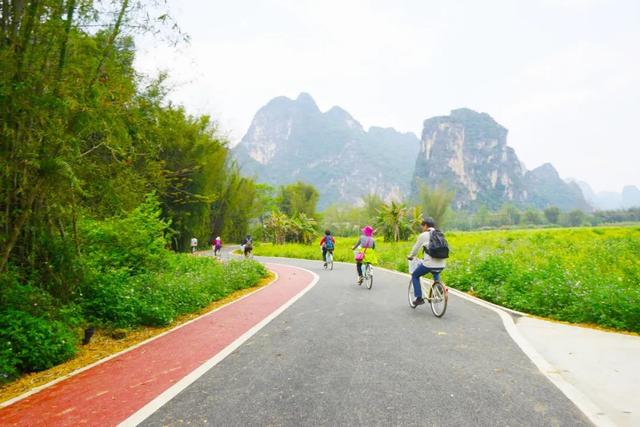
364	250
194	245
217	246
429	264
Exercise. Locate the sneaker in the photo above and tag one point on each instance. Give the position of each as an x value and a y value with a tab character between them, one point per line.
418	301
325	264
360	280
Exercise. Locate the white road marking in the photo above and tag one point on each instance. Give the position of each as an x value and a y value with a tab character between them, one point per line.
126	350
185	382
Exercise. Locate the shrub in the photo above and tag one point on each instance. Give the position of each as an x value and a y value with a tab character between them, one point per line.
135	242
34	343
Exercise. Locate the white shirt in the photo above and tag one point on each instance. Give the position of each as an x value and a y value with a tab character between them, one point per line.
423	240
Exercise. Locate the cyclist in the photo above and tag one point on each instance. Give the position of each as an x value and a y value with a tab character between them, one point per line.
247	245
429	264
327	243
364	250
217	246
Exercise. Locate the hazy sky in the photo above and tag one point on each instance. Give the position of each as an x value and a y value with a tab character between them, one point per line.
562	75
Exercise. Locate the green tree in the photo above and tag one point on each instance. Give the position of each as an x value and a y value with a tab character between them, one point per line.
510	215
532	216
436	202
393	222
65	98
576	217
481	218
303	228
415	219
298	198
277	227
372	206
552	214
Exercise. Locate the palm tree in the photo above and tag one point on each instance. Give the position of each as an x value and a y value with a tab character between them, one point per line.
303	228
415	218
392	219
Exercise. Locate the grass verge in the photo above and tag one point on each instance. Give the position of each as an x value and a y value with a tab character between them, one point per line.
103	345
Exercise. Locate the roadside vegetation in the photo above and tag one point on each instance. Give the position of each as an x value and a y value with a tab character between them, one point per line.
129	280
581	275
103	182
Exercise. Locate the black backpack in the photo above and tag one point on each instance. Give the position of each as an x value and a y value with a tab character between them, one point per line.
438	246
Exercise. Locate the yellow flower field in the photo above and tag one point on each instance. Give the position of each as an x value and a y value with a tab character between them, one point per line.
582	275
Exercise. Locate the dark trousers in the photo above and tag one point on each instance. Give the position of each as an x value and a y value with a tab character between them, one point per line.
324	253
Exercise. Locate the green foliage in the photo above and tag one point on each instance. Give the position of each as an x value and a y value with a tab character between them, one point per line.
135	242
552	214
372	206
585	275
575	218
156	299
393	222
298	198
279	228
435	202
31	343
84	140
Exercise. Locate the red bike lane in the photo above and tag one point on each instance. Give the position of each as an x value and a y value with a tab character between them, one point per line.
110	392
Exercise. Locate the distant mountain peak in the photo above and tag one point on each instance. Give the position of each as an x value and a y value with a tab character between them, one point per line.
546	169
305	99
291	140
467	151
338	114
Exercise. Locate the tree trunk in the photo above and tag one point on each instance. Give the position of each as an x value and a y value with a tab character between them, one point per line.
112	38
63	48
17	228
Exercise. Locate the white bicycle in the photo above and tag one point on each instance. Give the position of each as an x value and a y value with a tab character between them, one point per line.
328	265
367	275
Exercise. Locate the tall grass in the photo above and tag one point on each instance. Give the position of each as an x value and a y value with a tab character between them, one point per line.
582	275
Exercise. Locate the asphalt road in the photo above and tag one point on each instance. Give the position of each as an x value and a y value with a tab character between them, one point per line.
344	355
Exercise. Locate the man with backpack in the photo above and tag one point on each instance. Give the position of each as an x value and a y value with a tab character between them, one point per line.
328	244
436	249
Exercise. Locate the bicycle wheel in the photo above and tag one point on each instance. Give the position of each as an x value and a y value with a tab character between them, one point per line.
438	297
368	276
330	261
411	295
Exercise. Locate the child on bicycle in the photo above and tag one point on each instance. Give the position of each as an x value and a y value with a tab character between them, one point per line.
327	243
429	264
364	250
